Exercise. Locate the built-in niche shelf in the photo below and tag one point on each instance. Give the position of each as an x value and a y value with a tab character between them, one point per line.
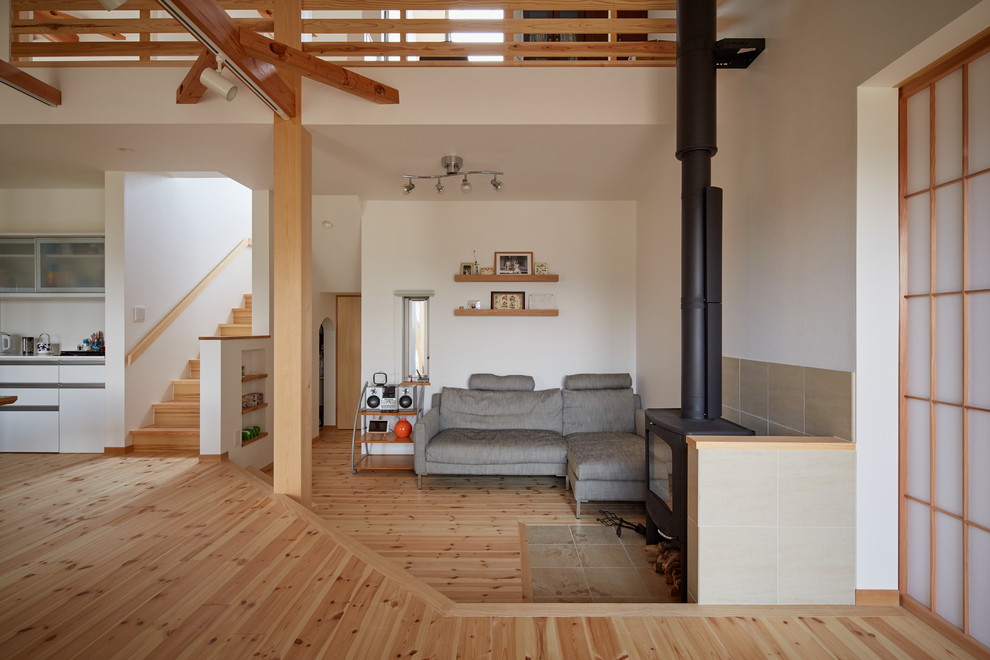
245	443
246	377
463	311
260	406
506	278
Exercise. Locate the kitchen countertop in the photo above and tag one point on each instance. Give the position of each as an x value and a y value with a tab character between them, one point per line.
53	359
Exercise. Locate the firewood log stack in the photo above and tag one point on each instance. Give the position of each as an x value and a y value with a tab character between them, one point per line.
666	560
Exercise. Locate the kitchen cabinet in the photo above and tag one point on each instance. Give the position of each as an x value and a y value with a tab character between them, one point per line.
52	265
31	423
81	416
59	408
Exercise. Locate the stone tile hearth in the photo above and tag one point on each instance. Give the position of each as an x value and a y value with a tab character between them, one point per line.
587	564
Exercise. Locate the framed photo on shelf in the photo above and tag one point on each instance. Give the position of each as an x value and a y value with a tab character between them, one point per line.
467	268
513	263
542	301
508	300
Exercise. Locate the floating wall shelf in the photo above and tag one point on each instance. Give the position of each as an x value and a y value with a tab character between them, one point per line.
506	312
506	278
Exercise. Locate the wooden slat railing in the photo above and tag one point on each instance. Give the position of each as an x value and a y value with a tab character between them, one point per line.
67	32
176	311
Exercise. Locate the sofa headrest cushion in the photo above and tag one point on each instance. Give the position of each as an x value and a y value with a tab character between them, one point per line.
493	383
597	382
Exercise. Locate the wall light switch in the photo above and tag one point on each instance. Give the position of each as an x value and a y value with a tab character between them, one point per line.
139	314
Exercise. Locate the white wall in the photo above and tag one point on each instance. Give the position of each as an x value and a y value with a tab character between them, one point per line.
787	161
51	211
419	245
658	287
176	231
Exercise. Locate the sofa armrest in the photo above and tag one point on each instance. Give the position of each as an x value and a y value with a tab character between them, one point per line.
640	422
426	427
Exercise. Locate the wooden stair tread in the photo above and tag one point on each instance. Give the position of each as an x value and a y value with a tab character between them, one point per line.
158	429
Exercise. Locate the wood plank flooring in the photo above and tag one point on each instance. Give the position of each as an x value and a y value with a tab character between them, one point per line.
145	556
460	535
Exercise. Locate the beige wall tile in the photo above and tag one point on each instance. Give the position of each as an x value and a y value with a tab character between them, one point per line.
817	565
817	488
737	488
737	565
753	383
730	382
828	403
757	424
730	414
777	429
785	385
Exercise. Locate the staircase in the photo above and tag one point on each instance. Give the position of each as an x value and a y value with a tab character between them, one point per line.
176	423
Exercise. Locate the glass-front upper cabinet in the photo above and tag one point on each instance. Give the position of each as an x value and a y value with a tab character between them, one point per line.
64	264
70	264
17	261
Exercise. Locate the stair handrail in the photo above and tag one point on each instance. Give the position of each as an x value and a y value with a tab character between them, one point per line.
176	311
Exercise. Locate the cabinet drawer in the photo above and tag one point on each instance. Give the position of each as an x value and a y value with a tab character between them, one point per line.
82	373
31	396
29	373
28	430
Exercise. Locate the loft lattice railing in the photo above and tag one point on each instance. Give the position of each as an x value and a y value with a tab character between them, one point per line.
363	32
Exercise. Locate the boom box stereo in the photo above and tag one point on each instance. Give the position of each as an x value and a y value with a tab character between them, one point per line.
381	397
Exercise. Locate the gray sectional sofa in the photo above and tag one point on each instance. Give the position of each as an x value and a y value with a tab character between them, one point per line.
591	432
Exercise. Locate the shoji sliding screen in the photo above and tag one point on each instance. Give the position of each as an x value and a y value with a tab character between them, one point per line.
945	340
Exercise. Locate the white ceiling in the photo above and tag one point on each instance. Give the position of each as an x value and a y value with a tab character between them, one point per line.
549	162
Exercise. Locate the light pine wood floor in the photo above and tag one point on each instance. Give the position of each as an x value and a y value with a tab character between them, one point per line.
460	535
147	556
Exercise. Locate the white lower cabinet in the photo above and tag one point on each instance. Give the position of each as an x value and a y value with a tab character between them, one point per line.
81	421
59	407
28	430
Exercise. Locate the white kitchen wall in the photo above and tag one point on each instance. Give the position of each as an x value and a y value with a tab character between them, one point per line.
420	245
175	232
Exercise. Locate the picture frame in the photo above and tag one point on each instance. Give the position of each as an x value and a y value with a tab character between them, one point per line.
508	300
467	268
513	263
542	301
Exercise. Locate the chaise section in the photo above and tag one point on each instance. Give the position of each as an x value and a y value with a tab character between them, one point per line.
605	431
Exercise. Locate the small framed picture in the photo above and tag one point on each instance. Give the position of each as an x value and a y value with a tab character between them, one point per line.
542	301
487	270
508	300
467	268
513	263
540	269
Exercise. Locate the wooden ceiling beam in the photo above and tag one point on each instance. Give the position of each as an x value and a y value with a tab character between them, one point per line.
62	26
275	52
211	25
191	90
25	83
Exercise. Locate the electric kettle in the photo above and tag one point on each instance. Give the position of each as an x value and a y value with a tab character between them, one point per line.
5	342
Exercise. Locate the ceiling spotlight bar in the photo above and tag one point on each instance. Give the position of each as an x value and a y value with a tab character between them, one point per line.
452	167
258	76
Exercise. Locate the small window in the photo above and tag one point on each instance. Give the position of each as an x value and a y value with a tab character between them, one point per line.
416	337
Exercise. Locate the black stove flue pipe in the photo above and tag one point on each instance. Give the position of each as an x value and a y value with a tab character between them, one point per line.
701	213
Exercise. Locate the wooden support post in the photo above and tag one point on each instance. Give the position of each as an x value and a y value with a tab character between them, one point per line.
292	286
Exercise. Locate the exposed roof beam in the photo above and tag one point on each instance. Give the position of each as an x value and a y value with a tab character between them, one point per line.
25	83
58	35
275	52
190	90
211	25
